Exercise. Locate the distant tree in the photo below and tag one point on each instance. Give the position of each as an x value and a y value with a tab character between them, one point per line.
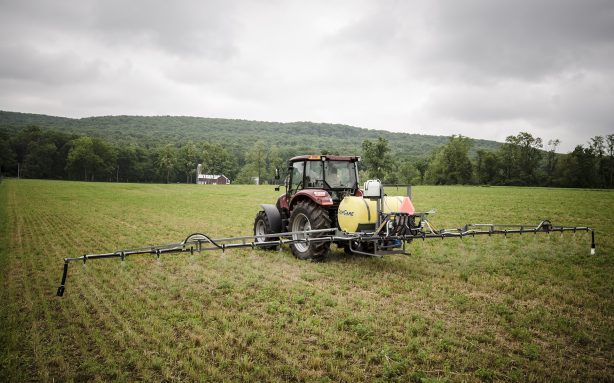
42	153
261	162
550	161
108	154
188	160
126	160
20	144
135	164
581	167
451	164
422	165
596	144
63	143
216	159
82	158
597	148
520	158
486	167
377	159
145	169
39	160
256	159
273	161
609	139
7	155
23	139
408	173
166	160
246	174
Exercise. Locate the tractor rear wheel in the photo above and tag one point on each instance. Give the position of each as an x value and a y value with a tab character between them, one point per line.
307	215
262	226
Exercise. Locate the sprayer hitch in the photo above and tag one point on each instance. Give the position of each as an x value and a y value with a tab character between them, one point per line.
390	237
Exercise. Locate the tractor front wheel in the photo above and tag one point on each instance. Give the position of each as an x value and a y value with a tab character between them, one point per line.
305	216
262	226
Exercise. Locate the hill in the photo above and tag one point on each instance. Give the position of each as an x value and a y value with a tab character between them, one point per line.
302	136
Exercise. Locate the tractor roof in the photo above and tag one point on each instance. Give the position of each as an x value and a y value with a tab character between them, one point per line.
318	157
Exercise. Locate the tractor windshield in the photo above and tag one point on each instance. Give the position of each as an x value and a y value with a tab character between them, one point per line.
340	174
328	174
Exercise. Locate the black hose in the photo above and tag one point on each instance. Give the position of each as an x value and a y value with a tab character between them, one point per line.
206	237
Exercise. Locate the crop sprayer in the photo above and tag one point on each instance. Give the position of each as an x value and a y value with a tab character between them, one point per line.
323	205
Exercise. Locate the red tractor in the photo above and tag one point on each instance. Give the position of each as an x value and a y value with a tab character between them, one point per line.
315	187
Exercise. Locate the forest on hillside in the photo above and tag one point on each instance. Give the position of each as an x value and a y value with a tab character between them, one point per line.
299	137
71	152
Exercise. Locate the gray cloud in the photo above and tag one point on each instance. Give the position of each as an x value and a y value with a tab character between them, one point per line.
28	63
182	28
481	68
526	40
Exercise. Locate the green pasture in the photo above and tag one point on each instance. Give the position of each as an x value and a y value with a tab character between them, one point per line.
522	308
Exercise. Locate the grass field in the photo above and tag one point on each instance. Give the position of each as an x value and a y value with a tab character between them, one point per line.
529	308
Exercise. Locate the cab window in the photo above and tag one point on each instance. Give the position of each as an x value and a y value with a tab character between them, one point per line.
340	174
313	174
297	175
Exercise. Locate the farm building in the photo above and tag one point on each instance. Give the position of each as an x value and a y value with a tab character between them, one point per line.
206	179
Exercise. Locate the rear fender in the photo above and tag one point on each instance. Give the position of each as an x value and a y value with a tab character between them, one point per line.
273	215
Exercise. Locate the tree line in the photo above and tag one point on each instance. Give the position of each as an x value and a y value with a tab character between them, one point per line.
47	154
522	161
33	152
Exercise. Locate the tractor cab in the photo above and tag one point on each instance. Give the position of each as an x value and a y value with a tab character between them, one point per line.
337	176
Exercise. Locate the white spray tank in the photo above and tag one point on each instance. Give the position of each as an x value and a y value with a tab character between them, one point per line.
374	189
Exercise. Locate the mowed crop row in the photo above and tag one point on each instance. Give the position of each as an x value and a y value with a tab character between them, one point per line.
531	307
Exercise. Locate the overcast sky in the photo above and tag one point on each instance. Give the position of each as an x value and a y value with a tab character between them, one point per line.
484	69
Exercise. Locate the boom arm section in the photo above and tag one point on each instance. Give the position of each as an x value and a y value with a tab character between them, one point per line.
395	228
